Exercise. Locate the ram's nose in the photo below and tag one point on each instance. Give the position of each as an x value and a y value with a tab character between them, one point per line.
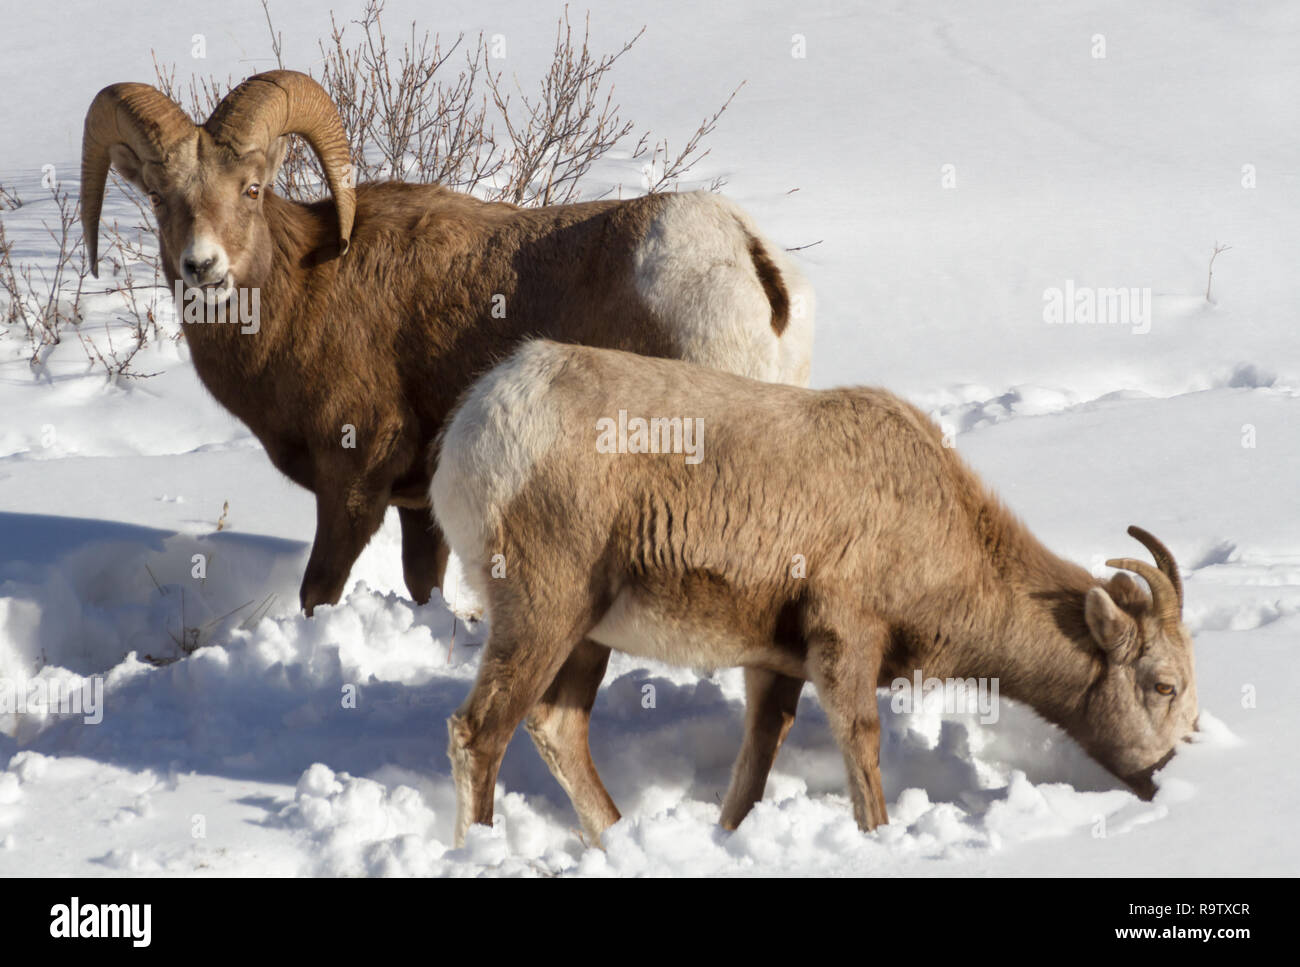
203	263
199	270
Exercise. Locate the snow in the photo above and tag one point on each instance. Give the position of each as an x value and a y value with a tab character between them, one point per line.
288	746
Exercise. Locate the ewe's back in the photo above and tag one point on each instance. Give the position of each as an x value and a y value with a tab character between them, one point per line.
771	470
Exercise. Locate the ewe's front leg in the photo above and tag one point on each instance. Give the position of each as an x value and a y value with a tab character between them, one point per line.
424	552
346	519
844	672
771	701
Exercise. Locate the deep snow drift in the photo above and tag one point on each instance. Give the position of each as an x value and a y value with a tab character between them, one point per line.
286	746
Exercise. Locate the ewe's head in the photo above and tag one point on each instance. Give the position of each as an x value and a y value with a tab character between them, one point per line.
1145	702
207	184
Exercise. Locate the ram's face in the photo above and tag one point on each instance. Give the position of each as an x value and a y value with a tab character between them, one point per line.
208	184
208	203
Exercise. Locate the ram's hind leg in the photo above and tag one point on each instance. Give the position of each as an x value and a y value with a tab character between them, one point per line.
771	700
424	552
524	653
558	725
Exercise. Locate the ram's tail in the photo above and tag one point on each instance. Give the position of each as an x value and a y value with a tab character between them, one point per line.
769	276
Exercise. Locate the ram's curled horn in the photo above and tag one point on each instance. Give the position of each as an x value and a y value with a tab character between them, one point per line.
270	105
138	116
1164	560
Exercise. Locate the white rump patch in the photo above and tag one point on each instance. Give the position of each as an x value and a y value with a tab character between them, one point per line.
695	271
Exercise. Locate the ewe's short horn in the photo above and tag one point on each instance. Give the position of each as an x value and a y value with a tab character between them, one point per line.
1164	596
270	105
138	116
1165	560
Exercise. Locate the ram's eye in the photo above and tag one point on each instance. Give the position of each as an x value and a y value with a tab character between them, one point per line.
155	199
1164	688
253	191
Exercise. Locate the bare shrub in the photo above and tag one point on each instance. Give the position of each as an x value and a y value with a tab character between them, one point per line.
559	133
662	174
43	298
405	119
430	111
1209	279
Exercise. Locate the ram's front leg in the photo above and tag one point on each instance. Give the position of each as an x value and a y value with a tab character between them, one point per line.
346	518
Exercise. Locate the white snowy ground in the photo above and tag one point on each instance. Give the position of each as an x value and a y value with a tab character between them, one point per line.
1115	171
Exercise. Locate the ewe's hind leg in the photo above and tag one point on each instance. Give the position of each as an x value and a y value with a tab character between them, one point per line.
845	675
522	657
558	725
424	552
771	700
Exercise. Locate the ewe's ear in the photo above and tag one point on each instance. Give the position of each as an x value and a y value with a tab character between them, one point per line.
1126	592
275	156
127	164
1111	628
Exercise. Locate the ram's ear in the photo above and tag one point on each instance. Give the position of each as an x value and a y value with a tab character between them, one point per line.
127	164
1111	628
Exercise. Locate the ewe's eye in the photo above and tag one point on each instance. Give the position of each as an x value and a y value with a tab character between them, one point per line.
252	191
1164	688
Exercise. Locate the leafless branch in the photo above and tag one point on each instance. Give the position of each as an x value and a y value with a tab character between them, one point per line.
1210	279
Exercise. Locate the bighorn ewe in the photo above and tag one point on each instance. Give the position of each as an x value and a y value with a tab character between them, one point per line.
434	288
806	536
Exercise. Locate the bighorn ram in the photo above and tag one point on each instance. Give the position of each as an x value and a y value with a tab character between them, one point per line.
378	307
808	536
